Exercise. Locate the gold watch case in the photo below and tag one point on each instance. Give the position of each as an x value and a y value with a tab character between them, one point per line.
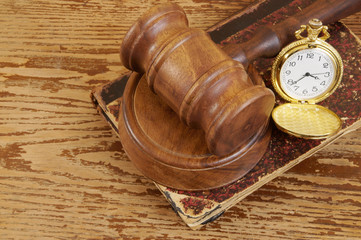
304	118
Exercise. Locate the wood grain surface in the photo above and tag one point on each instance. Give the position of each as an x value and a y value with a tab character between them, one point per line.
59	174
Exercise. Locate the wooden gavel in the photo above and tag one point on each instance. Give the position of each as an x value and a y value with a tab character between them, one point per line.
201	82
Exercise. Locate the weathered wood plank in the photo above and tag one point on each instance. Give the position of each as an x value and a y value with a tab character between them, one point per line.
62	175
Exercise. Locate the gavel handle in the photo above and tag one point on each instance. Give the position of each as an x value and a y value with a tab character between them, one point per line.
269	40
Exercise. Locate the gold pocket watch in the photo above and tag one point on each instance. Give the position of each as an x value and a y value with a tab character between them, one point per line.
306	72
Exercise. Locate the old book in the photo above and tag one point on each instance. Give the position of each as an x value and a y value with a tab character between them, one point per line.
284	151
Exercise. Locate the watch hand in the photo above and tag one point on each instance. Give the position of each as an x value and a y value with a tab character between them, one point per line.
307	74
294	82
325	74
311	75
319	73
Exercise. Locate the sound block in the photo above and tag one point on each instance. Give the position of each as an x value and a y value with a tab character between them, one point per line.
168	152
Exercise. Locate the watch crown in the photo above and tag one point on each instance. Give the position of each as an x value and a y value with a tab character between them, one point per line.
315	23
314	28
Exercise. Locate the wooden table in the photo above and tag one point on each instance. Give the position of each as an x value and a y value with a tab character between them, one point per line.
59	160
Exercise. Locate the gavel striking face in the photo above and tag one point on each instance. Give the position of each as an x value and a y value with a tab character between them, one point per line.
201	83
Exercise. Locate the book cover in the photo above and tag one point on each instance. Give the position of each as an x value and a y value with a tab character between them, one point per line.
197	208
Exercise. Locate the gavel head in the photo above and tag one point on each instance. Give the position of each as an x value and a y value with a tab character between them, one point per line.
201	83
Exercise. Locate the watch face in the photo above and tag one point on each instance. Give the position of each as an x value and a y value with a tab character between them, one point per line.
307	74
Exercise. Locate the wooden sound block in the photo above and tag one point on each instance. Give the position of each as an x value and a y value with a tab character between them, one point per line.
165	150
